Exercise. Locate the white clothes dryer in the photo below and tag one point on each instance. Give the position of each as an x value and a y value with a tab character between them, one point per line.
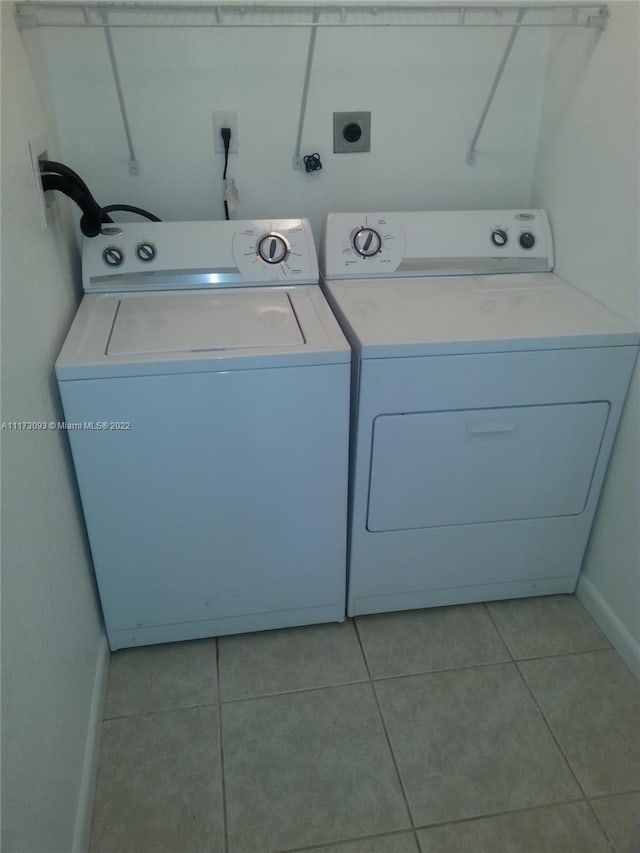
486	396
205	385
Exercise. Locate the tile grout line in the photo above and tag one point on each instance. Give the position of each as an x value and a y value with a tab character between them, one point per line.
592	649
536	703
629	791
491	815
225	827
369	678
499	632
566	760
613	847
559	654
455	822
439	671
151	712
374	679
585	798
295	691
388	739
330	686
601	825
339	843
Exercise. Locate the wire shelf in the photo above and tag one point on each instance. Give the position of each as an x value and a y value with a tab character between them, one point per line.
31	14
298	13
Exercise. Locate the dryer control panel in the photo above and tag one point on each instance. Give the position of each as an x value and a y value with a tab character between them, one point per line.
374	245
135	256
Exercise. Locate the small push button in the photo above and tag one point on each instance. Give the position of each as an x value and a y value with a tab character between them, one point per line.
527	240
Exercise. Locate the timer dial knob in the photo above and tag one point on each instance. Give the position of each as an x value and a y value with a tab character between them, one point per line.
273	248
113	256
367	242
146	252
527	240
499	237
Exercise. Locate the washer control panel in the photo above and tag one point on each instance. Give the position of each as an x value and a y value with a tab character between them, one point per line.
185	255
374	245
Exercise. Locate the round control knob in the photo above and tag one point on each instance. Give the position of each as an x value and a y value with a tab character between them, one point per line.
499	237
113	256
367	242
527	240
146	252
273	248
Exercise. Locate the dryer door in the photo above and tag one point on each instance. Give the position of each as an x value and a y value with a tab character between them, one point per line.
433	469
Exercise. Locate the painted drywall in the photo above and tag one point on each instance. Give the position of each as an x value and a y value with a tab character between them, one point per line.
587	178
425	88
52	640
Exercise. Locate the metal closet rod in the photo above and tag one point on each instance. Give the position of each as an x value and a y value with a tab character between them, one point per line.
62	13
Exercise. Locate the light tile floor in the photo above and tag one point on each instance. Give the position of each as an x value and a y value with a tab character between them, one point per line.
511	727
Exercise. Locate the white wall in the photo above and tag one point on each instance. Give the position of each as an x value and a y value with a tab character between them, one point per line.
587	178
425	88
52	642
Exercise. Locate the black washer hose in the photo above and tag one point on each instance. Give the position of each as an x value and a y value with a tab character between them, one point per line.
66	172
59	176
131	209
91	220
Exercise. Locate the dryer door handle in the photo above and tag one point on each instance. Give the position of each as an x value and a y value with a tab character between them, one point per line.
485	429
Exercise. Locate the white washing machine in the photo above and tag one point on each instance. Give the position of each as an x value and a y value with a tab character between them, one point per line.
486	396
205	383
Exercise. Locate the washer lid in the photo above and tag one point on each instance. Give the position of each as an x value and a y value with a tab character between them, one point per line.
469	314
196	322
144	334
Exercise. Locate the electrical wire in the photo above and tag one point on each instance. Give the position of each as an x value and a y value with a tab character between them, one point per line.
225	133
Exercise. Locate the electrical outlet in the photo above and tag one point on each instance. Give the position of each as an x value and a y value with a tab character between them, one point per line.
351	133
38	150
225	118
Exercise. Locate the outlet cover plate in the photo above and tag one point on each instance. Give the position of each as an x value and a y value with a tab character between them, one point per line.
225	118
343	122
38	150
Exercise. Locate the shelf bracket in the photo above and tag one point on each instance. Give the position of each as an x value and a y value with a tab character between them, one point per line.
600	19
25	19
134	166
471	151
297	159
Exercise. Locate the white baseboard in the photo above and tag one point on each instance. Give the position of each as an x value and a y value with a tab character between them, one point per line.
84	811
624	643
